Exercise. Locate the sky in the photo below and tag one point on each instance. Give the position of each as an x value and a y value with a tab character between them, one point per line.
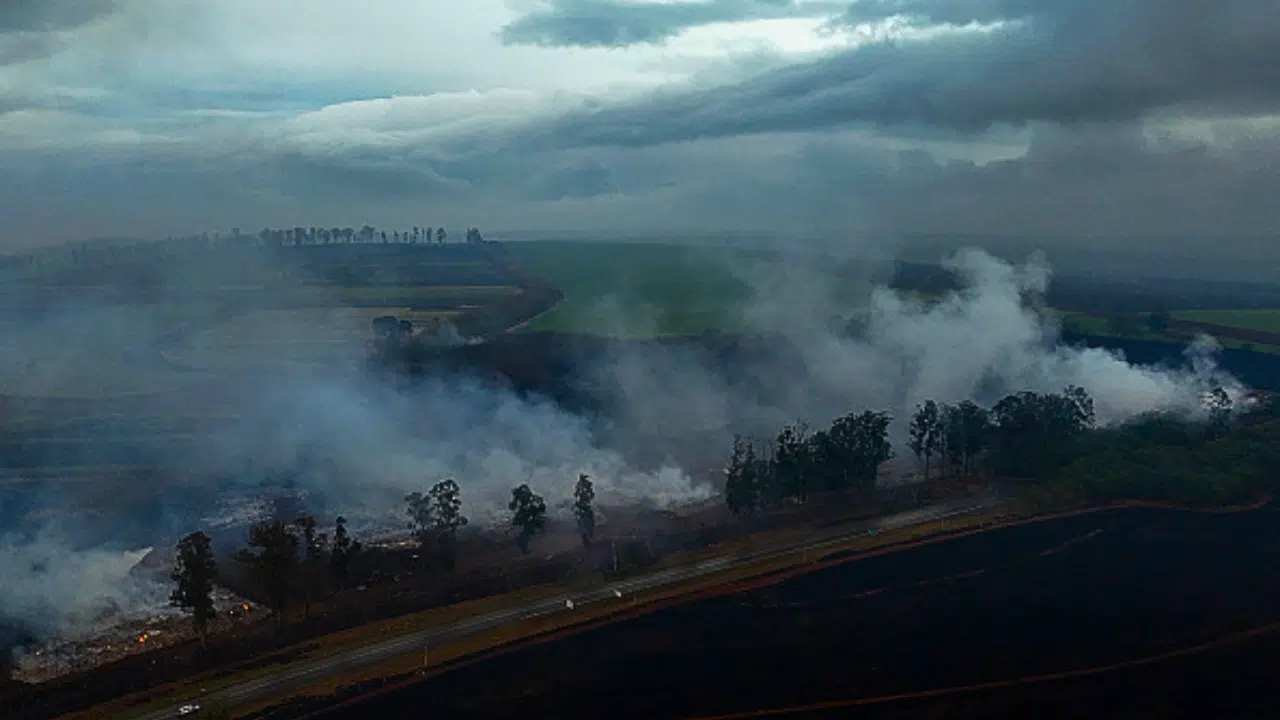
1113	119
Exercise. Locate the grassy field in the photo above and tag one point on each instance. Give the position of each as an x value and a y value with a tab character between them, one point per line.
1137	330
652	289
1265	320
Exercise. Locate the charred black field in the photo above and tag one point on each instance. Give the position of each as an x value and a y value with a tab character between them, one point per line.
1079	595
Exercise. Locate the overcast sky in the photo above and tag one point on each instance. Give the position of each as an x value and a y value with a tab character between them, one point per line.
1091	118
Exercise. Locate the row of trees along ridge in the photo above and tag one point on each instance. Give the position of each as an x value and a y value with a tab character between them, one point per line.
1037	437
293	562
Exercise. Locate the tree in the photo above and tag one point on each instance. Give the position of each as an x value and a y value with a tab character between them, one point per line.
529	515
421	514
925	433
966	430
315	546
583	511
275	564
849	453
793	461
344	550
441	235
762	475
865	438
194	572
447	519
1036	433
741	489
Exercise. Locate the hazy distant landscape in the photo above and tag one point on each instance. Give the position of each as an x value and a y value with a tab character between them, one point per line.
200	383
695	358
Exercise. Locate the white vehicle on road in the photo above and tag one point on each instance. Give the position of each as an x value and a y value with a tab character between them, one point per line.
188	709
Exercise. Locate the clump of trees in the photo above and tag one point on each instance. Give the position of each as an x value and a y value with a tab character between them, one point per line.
194	573
436	519
528	515
584	513
292	561
342	551
366	235
1049	443
845	456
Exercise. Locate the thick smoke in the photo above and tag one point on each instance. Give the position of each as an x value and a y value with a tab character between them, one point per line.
246	402
237	410
990	338
364	447
52	587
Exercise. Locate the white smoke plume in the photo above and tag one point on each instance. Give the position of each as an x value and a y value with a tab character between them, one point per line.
53	588
361	446
990	338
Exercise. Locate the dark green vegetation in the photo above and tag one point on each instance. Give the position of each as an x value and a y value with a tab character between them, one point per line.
193	576
584	512
846	456
528	515
436	519
1045	446
1264	320
1050	596
1164	459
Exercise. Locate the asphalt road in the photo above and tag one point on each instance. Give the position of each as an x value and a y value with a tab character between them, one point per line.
306	673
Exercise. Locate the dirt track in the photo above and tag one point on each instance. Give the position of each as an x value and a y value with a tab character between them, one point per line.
1079	592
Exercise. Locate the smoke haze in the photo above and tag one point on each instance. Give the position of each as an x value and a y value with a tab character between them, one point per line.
358	446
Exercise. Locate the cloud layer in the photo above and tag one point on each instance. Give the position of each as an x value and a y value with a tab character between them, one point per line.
1111	119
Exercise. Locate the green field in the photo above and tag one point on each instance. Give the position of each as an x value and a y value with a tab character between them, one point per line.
399	295
1265	320
652	289
1136	329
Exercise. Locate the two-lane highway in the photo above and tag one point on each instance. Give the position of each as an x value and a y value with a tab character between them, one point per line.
306	673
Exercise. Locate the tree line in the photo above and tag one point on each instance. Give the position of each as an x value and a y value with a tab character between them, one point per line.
292	562
845	456
88	252
1050	442
288	560
366	235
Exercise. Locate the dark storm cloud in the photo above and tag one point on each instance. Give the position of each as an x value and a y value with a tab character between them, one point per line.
1055	61
374	178
609	23
584	179
29	28
51	15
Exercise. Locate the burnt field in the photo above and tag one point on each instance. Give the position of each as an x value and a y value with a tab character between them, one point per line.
1054	596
